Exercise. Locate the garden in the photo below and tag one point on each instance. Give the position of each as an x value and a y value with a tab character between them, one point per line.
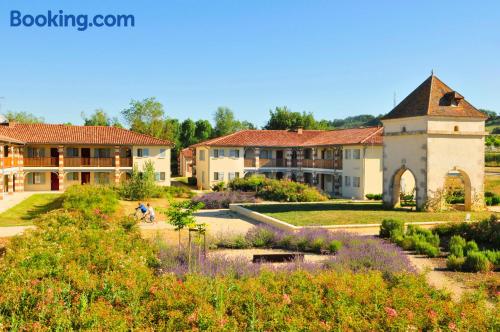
86	267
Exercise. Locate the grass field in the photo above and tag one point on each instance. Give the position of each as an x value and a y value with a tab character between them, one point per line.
492	184
334	213
23	213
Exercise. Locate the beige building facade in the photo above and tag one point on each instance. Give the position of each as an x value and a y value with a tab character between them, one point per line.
44	157
434	133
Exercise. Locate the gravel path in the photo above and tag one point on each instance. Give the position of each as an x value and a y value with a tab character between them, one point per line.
437	278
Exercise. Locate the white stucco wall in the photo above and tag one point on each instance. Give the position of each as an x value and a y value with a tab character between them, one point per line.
161	164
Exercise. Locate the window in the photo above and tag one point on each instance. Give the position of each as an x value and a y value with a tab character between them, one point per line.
347	181
218	176
233	175
160	176
36	152
142	152
101	178
202	154
234	153
102	153
6	151
356	154
403	129
73	176
163	153
348	154
36	178
237	175
72	152
456	128
265	154
329	154
355	181
218	153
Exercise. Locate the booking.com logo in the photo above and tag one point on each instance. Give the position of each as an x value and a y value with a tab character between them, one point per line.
82	22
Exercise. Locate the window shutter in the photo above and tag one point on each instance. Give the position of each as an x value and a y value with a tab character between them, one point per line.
157	176
30	177
221	152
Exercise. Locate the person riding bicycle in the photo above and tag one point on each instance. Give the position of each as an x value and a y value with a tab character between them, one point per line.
151	213
141	207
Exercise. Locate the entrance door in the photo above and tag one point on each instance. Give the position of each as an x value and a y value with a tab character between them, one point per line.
54	182
85	177
279	158
85	157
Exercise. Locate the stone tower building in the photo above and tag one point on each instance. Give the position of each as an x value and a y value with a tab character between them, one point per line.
434	132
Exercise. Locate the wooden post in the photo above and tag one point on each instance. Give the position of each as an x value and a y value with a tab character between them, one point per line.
256	152
60	150
20	173
117	165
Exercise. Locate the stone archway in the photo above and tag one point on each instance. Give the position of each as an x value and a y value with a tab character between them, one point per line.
467	187
397	183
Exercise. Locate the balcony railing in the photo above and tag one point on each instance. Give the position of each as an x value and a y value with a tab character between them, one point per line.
306	163
41	161
126	162
88	162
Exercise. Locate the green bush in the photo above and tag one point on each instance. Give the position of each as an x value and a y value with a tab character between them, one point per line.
141	185
277	190
192	181
457	240
219	186
317	244
426	248
424	234
493	256
470	246
390	226
476	261
90	200
455	263
260	237
376	197
457	250
334	246
485	232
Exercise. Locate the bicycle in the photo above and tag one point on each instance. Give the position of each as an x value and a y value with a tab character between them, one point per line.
140	217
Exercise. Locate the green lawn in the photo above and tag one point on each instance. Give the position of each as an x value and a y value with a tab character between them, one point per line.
23	213
340	213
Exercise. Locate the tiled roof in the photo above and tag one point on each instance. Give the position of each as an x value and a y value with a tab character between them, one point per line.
434	98
288	138
5	139
68	134
187	152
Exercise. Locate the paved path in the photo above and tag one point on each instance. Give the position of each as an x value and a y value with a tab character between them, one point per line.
221	222
13	230
9	201
437	278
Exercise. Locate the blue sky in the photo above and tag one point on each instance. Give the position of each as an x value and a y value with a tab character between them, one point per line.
332	58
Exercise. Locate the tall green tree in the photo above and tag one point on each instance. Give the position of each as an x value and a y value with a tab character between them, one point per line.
188	133
226	123
98	118
281	118
145	116
203	130
23	117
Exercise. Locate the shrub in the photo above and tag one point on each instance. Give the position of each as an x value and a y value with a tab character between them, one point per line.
470	246
192	181
251	183
317	244
261	237
334	246
221	200
90	200
485	232
219	186
426	248
493	256
457	240
491	198
455	263
390	226
373	196
141	185
457	250
476	261
424	234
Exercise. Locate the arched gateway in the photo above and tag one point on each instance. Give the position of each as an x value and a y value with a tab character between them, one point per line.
432	132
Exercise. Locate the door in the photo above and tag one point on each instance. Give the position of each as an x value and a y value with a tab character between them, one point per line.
279	158
85	177
54	181
85	157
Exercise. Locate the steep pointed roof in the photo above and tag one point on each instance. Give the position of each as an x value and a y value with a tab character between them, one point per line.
434	98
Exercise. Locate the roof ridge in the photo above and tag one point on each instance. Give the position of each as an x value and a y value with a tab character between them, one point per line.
372	134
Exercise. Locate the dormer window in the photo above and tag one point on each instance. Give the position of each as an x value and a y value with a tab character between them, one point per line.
451	99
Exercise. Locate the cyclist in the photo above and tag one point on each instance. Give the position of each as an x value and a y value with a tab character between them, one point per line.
151	213
143	209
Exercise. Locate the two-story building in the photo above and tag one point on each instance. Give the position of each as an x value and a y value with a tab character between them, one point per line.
43	157
344	163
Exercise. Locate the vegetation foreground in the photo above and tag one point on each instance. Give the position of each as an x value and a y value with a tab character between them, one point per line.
84	268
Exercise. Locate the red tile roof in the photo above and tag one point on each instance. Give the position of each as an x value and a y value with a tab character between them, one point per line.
433	98
288	138
68	134
187	152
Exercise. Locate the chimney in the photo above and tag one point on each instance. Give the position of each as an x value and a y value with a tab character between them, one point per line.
299	130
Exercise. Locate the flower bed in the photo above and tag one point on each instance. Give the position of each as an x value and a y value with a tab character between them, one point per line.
222	199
